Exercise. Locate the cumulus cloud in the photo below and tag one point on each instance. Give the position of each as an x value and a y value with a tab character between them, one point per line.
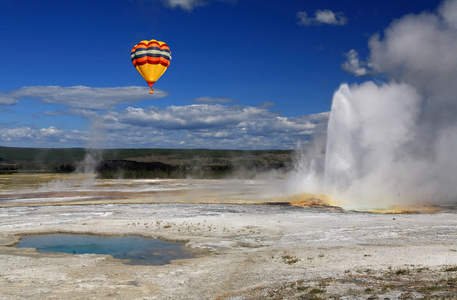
196	116
210	117
324	16
448	10
418	49
353	65
85	113
7	100
421	50
184	4
82	96
218	126
196	125
266	104
44	137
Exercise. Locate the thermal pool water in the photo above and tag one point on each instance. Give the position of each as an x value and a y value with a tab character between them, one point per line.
136	250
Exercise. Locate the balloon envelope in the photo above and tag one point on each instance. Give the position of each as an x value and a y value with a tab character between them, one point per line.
151	59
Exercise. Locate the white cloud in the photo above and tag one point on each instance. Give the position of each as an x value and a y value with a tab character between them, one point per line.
448	9
354	65
418	49
304	19
85	113
41	137
197	125
217	126
266	104
82	96
328	17
221	134
195	116
421	50
189	5
184	4
7	100
324	16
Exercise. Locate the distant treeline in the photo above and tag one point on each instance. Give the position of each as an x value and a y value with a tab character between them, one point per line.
13	160
145	163
134	170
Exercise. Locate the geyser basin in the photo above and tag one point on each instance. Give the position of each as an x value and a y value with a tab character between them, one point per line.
138	250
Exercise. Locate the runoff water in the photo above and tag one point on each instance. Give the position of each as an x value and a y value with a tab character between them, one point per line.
138	250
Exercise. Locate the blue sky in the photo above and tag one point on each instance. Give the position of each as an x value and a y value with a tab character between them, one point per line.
245	74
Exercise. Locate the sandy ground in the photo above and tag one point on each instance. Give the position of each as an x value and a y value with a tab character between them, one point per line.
252	251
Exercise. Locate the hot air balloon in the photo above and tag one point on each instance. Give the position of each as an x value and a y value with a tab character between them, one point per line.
151	59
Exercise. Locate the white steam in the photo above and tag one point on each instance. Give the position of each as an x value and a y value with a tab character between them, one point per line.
367	142
396	143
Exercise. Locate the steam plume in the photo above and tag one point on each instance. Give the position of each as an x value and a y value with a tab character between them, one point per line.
396	143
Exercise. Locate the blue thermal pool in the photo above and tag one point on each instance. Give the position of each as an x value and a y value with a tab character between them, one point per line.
138	250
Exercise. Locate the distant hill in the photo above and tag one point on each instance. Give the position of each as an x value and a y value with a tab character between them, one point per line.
141	163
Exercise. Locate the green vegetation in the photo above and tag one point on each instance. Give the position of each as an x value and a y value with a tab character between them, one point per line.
146	163
290	259
13	160
409	282
399	271
450	269
428	289
316	291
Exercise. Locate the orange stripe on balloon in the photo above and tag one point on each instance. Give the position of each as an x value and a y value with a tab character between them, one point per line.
153	60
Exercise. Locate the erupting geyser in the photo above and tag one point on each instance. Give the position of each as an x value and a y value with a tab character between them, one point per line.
395	143
369	132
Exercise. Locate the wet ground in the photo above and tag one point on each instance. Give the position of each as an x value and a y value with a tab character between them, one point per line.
46	189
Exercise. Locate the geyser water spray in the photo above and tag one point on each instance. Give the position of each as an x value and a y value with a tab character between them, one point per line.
369	131
394	143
